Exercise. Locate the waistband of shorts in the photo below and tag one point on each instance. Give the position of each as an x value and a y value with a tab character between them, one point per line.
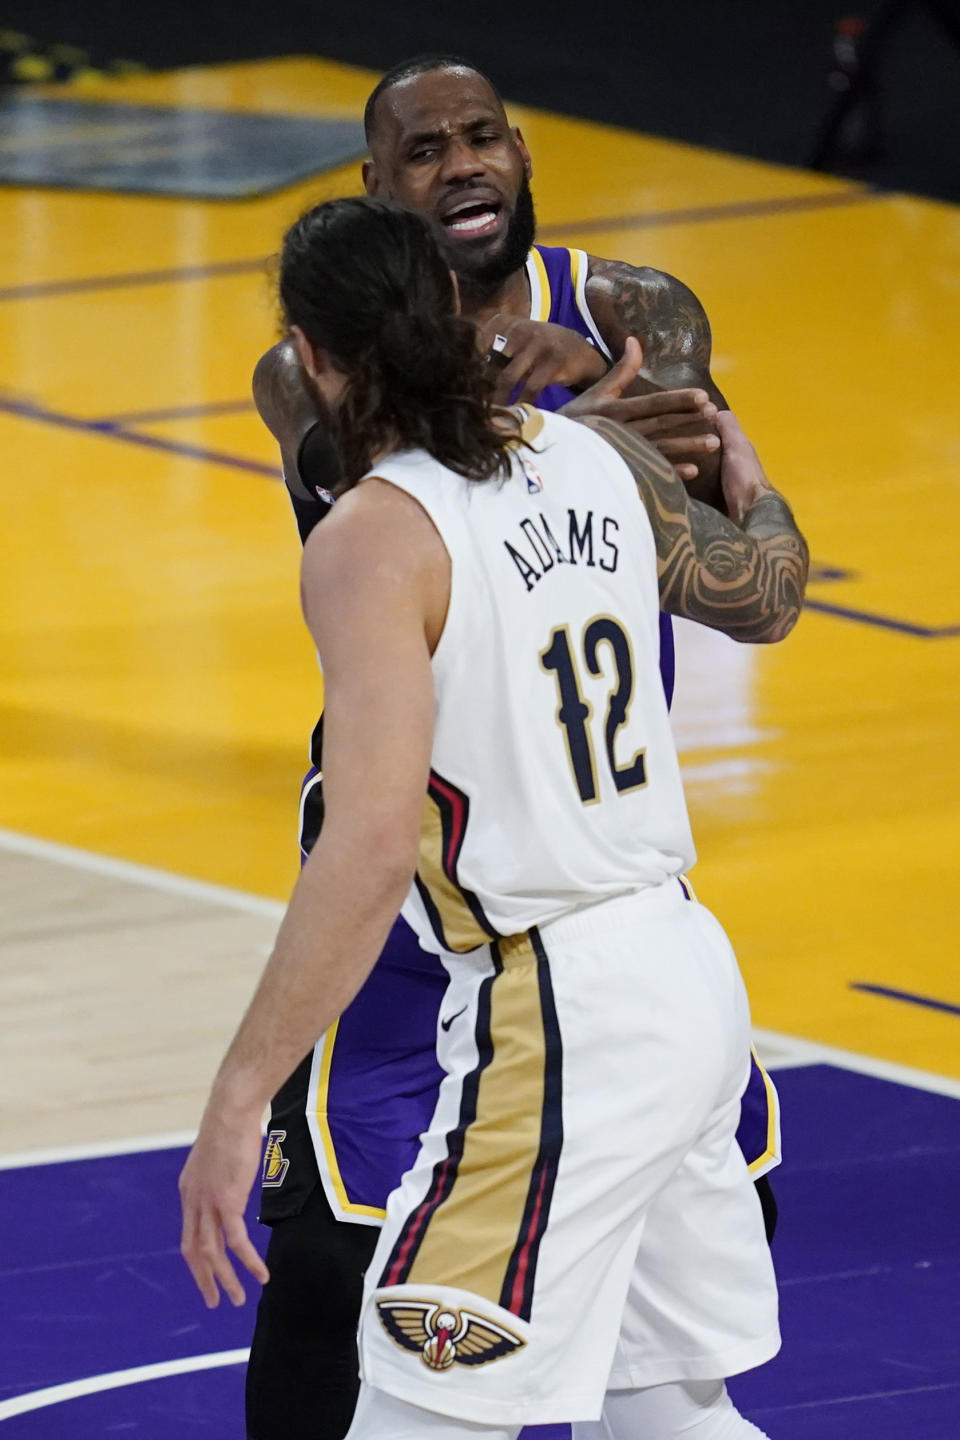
615	913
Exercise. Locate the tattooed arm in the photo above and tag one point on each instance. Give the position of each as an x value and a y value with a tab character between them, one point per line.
286	407
746	575
674	333
666	318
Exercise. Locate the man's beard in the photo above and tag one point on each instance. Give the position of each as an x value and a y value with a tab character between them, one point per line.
481	276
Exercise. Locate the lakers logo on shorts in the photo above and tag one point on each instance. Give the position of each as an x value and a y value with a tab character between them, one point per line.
275	1163
445	1337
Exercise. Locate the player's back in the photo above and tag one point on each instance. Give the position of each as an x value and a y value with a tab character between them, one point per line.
554	778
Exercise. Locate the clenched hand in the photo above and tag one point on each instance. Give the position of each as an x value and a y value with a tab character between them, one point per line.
537	354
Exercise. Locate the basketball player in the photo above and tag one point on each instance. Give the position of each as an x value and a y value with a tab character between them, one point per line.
493	580
346	1124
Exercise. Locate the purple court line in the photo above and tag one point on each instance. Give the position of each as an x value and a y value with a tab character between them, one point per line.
761	1411
905	995
642	221
819	574
110	430
46	288
884	622
180	412
59	1265
702	214
134	437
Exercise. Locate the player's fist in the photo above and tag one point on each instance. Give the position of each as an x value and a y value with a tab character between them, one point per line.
741	474
533	354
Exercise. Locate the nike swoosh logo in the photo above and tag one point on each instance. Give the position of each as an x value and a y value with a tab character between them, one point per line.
445	1024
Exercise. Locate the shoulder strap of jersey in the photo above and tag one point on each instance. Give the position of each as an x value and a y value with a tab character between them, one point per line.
540	297
579	269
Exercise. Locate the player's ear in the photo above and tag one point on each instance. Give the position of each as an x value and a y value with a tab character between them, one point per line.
306	354
524	152
371	180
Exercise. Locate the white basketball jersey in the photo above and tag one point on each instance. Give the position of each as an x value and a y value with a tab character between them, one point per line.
554	778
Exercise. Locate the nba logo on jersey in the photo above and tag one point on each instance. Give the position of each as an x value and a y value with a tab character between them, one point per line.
534	479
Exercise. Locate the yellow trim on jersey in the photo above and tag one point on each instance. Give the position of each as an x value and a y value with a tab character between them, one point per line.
579	274
329	1150
773	1108
544	279
531	424
472	1235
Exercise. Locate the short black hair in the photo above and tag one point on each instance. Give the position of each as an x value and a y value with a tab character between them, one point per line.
407	69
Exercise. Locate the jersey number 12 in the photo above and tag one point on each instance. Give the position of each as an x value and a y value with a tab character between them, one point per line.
574	713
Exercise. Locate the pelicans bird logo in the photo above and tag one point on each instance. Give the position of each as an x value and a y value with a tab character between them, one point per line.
443	1337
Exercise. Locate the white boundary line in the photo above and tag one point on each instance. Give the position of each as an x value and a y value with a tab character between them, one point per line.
792	1050
798	1052
792	1053
115	1380
97	1149
222	895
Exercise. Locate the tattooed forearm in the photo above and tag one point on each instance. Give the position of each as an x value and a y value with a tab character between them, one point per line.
753	578
747	581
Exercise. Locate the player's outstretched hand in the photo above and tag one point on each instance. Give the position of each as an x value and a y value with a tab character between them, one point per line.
675	421
537	354
741	473
215	1184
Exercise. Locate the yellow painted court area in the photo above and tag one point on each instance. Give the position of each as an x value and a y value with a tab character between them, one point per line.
158	686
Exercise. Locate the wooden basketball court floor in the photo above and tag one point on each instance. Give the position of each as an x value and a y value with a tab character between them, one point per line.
158	687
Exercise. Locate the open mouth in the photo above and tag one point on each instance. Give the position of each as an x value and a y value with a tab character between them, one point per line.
473	219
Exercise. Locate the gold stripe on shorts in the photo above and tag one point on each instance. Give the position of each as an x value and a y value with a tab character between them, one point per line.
472	1235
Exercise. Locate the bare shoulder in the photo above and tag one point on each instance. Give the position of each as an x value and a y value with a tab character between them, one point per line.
654	292
606	278
375	519
378	542
660	310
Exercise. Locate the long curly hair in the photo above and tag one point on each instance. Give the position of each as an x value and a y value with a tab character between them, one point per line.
366	281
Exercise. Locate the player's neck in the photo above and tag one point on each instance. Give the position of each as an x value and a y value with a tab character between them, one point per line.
512	298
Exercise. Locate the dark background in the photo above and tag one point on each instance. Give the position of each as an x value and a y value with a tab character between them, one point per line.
751	76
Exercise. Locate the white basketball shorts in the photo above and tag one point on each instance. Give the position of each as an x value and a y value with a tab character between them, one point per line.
580	1217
